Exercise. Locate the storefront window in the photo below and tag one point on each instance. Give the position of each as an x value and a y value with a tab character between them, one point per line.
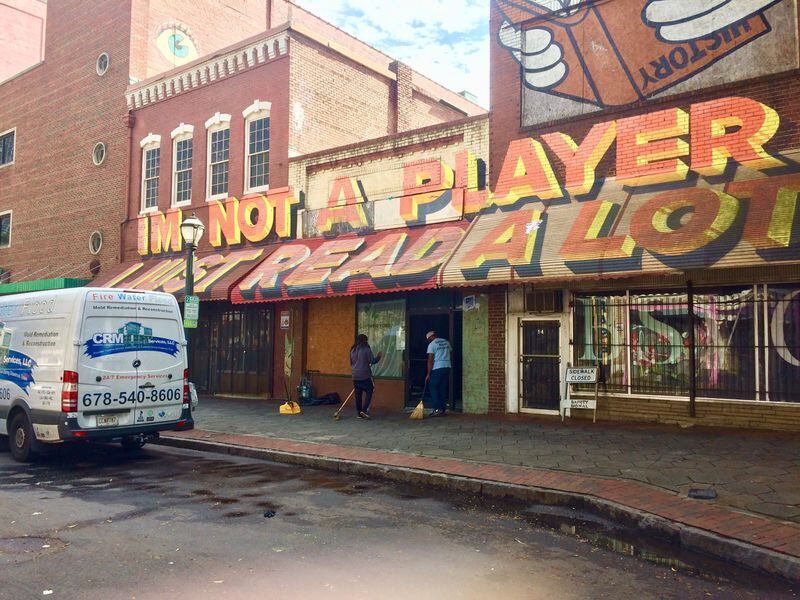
745	346
725	344
600	338
659	334
783	351
383	322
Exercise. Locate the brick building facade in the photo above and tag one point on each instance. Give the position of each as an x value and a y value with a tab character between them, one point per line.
67	95
643	211
59	110
287	93
22	35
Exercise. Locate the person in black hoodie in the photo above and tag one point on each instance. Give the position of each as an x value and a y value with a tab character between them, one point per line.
361	361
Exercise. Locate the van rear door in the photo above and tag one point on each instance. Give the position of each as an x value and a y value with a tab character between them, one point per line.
108	362
130	370
162	359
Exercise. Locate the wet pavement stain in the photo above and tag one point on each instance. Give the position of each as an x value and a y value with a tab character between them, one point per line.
21	549
335	503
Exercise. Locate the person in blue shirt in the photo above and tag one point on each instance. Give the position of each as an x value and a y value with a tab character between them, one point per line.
438	377
361	361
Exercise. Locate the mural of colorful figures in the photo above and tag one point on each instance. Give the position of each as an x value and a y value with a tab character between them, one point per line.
578	56
745	341
694	189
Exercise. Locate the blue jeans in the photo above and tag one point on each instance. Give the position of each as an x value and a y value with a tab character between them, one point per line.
438	385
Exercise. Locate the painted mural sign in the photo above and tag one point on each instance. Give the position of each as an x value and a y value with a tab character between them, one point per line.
421	191
692	190
254	218
386	261
213	274
577	55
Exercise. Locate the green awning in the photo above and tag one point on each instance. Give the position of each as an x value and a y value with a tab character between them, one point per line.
41	285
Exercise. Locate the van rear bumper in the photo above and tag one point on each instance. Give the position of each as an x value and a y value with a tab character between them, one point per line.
68	429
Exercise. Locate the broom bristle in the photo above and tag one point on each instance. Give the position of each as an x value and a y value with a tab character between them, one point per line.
418	412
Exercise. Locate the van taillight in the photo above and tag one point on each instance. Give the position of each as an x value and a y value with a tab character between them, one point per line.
186	394
69	392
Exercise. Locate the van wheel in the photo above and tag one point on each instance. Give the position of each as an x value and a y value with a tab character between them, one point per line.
20	438
132	443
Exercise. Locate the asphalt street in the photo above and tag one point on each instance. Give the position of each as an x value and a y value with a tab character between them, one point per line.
92	523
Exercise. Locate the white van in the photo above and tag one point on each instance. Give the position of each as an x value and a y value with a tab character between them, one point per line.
91	364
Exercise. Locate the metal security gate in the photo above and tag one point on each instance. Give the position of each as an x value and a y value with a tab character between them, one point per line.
540	365
232	350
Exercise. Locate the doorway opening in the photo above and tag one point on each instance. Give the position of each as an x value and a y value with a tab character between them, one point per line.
448	325
231	350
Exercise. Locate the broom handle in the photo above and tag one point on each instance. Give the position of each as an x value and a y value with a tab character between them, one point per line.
353	391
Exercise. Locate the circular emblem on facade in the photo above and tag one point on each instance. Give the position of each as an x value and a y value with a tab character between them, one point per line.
137	363
175	43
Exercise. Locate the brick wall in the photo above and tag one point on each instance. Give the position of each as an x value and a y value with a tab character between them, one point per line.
379	162
403	94
746	415
411	108
334	100
21	35
779	92
231	96
206	26
497	350
320	98
61	109
345	43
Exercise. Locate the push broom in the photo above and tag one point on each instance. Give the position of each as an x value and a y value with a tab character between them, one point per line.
336	416
419	412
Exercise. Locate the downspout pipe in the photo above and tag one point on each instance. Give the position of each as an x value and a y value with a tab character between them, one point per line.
129	120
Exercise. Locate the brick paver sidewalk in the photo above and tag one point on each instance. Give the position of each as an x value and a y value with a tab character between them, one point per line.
763	532
758	472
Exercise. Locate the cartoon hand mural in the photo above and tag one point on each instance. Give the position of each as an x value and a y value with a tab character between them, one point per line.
621	52
541	58
681	21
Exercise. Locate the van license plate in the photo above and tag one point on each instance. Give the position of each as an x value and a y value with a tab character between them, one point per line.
107	420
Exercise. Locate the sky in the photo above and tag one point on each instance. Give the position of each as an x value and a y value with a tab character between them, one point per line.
446	40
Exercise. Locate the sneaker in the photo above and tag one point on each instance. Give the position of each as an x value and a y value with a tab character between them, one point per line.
360	415
364	415
436	413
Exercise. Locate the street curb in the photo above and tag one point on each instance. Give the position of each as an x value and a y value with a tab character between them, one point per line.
691	538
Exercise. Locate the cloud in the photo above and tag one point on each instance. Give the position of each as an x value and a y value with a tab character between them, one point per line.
446	40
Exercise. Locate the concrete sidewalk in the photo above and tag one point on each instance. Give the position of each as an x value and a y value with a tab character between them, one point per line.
641	473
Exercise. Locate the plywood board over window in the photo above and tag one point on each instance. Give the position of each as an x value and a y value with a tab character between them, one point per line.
331	332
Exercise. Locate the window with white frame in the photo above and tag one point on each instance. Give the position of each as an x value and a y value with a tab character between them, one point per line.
5	229
182	153
219	144
256	151
151	171
7	140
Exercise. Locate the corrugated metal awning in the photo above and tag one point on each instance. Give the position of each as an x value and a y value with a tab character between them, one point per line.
394	260
689	230
214	273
